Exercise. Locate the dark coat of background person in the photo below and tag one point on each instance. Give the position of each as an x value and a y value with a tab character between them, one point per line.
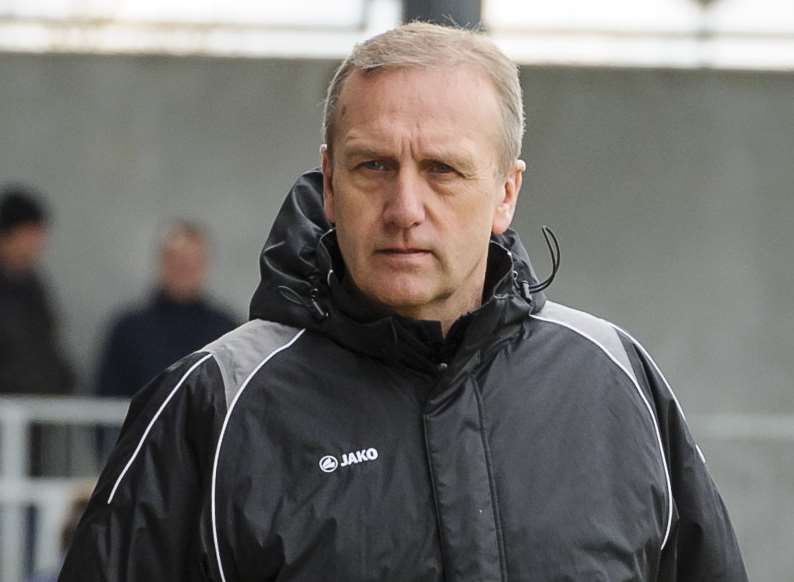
144	341
31	361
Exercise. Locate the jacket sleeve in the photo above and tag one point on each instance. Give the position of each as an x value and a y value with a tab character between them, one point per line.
700	543
143	521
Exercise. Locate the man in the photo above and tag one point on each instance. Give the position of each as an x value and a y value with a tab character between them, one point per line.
405	405
31	361
176	321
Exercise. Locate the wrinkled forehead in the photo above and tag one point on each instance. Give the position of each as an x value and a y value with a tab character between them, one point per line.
439	82
438	102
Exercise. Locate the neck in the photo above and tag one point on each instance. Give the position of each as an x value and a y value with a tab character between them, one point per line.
446	313
446	310
180	296
443	312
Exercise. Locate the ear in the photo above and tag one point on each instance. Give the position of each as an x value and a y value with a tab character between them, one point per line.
506	206
328	190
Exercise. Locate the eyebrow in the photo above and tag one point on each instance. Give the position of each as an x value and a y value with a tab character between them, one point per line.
461	161
365	152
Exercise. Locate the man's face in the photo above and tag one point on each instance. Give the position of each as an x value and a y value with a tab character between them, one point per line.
183	267
415	187
23	247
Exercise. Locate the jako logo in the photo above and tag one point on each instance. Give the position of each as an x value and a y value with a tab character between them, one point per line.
329	464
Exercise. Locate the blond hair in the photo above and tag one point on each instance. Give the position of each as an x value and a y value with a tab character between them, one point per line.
419	44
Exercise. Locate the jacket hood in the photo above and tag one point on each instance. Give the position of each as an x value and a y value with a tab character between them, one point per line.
301	272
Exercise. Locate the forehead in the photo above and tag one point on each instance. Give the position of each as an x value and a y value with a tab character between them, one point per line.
432	104
183	243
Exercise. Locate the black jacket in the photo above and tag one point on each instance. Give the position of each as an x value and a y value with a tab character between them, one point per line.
31	361
323	441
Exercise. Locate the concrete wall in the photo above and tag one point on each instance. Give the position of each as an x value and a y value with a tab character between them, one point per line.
122	144
671	193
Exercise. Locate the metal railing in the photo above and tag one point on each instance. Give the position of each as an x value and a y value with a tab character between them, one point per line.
70	422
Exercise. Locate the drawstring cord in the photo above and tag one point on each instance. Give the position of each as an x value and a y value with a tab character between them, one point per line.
311	304
554	250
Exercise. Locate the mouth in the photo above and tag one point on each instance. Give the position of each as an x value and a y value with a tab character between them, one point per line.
402	257
397	252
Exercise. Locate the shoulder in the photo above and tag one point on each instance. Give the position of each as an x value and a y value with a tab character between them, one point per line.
593	333
243	351
584	328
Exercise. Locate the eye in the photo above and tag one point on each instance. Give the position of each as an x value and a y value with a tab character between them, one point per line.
440	168
374	165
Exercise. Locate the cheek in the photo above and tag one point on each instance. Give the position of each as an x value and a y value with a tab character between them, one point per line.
357	213
353	233
351	220
474	220
470	233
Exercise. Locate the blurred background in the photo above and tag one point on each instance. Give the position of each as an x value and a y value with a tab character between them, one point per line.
151	142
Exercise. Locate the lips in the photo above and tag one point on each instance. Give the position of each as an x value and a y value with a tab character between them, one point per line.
401	251
404	256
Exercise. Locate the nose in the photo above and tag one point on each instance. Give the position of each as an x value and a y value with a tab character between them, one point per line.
405	206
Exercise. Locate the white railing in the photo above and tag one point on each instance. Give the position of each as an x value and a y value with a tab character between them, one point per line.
51	496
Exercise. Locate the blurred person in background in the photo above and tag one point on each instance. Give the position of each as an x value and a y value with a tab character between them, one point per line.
31	361
176	320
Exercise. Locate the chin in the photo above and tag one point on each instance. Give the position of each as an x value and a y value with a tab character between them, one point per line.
401	300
